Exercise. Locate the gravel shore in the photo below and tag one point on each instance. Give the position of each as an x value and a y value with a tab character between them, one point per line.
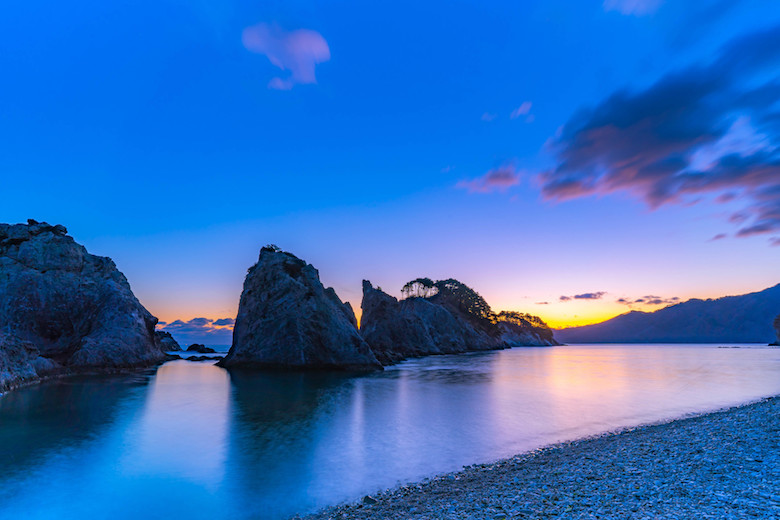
721	465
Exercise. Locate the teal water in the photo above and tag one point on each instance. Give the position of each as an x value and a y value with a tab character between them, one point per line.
191	440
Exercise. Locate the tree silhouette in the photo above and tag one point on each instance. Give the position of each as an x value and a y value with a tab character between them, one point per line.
419	288
272	247
522	319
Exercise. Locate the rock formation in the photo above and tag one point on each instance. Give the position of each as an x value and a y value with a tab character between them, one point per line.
287	319
777	330
200	348
63	310
519	329
446	318
166	341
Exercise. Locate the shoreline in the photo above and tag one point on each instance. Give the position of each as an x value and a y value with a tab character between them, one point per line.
718	464
87	371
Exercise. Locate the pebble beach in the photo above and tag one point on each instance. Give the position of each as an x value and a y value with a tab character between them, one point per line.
724	464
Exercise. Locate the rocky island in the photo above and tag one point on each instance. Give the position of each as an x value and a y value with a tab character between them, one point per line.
442	317
288	320
166	341
65	311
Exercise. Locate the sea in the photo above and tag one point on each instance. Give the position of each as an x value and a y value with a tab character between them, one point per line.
192	440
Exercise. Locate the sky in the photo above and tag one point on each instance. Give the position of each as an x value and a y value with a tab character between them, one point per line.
574	160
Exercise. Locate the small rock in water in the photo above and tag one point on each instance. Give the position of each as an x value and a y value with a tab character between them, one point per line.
203	349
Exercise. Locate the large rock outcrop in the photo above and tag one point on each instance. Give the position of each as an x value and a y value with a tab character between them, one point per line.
777	330
287	319
63	310
449	318
166	341
522	330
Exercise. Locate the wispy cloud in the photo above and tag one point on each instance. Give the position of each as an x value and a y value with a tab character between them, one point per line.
498	179
649	299
584	296
706	133
297	51
522	110
487	116
633	7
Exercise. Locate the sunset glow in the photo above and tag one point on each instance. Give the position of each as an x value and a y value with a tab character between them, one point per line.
535	161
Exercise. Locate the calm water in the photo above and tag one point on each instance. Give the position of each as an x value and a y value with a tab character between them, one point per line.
192	440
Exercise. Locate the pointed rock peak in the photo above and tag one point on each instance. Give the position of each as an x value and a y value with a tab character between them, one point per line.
287	319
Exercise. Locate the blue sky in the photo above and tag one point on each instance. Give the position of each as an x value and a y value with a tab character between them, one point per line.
391	140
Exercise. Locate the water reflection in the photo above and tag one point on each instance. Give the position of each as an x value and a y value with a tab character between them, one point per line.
181	431
196	441
37	421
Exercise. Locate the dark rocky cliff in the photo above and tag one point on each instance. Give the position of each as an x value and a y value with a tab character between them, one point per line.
166	341
287	319
63	310
448	319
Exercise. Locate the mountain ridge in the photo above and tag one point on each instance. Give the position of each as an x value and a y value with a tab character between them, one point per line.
745	318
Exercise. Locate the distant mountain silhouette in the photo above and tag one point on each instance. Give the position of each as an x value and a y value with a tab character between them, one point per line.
732	319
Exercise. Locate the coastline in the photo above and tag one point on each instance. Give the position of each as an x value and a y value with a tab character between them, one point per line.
719	464
87	371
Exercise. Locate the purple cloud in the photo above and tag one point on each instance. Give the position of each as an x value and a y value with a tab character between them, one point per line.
522	110
584	296
632	7
706	133
201	330
498	179
296	51
649	299
590	296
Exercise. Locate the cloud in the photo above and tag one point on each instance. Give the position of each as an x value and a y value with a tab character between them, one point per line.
522	110
590	296
584	296
632	7
296	51
649	299
487	116
497	179
705	133
201	330
542	303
